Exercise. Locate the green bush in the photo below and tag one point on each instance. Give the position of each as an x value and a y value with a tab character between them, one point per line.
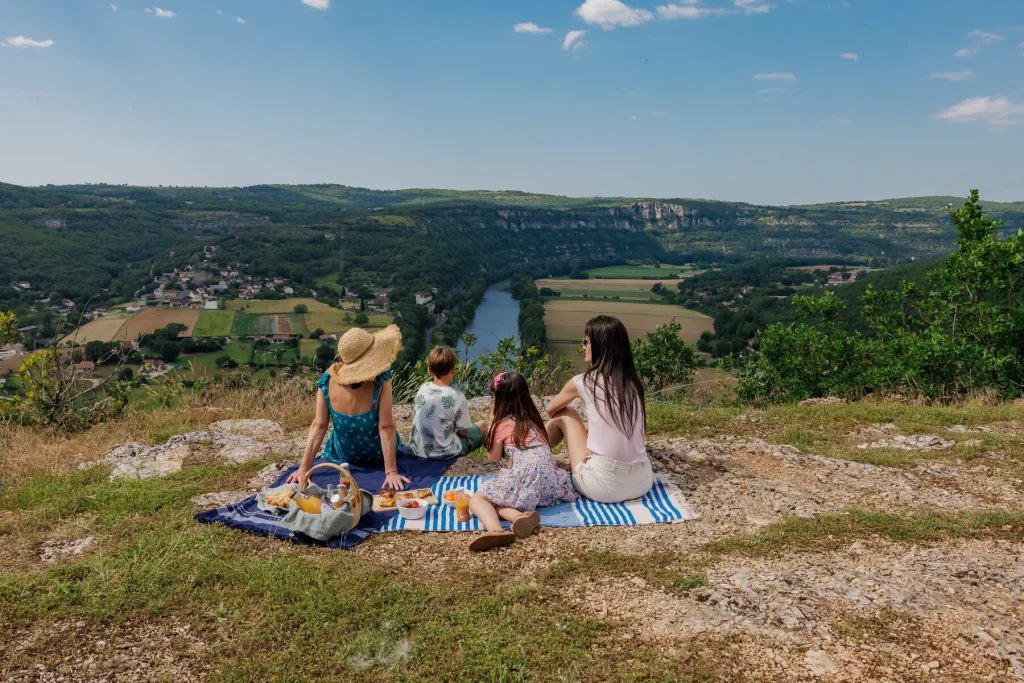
957	335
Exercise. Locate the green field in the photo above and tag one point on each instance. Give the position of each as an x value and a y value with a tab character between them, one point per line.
266	357
308	347
248	324
638	272
239	351
258	317
214	324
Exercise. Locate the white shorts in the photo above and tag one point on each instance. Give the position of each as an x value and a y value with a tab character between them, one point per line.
604	480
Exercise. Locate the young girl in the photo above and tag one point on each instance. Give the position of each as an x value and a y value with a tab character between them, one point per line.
531	481
609	458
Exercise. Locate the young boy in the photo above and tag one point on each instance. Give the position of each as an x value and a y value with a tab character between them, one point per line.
441	427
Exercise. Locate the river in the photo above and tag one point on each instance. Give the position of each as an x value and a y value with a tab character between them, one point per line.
497	317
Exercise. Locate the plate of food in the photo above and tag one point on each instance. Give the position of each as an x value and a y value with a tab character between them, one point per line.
389	499
449	497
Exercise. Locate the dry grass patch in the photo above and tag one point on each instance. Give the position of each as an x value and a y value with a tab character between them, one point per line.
103	329
151	319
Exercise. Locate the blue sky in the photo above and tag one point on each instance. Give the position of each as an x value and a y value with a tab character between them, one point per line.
767	101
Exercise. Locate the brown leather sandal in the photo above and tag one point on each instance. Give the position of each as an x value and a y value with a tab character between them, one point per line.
492	540
526	524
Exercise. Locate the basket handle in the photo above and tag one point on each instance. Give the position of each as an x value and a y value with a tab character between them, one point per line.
355	496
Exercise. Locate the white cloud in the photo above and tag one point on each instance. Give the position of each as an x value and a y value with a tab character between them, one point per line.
162	13
113	7
240	20
317	4
852	56
966	52
22	41
673	11
753	6
573	40
843	121
963	75
659	112
784	76
611	13
998	113
530	27
983	37
632	118
220	13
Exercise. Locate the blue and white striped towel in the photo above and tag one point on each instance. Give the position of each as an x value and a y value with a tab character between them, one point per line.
663	504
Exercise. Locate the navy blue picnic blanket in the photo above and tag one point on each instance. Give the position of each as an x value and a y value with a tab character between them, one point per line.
248	517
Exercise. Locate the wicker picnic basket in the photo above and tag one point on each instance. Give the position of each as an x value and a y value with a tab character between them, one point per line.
306	516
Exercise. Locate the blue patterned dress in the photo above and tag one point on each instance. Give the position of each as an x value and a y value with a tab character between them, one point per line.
355	438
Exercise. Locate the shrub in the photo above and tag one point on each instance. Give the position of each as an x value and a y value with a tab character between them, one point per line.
960	336
662	358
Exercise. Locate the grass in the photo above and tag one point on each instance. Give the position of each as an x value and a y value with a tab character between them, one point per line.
214	323
308	347
824	430
831	532
636	272
261	606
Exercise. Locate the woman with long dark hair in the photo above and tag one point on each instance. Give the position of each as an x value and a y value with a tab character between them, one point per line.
609	459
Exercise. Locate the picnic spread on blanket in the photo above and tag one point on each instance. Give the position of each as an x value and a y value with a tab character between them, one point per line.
437	494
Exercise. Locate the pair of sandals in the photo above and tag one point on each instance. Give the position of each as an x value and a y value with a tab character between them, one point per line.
524	525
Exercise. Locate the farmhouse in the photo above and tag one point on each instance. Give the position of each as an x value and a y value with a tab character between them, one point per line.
87	365
328	338
423	298
280	338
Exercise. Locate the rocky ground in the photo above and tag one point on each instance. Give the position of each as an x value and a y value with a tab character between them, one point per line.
870	609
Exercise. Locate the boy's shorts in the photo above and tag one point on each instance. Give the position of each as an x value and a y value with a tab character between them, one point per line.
473	440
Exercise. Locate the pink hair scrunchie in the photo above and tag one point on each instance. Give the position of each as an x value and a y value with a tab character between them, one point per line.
498	379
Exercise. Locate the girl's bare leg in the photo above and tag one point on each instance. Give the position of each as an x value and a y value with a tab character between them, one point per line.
567	426
485	512
509	514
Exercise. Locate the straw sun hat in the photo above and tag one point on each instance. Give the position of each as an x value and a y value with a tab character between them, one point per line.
365	355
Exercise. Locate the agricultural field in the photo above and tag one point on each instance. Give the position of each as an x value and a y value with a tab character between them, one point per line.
215	324
153	318
103	329
628	290
641	272
308	347
274	306
318	315
565	321
248	324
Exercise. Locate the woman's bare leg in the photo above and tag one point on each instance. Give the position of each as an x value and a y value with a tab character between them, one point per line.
567	426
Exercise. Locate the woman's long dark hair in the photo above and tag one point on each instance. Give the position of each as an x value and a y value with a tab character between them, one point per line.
612	368
512	401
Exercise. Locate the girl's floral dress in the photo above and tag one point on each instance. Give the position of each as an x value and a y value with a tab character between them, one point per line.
532	480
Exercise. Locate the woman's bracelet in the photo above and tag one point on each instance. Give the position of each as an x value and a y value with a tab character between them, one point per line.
387	472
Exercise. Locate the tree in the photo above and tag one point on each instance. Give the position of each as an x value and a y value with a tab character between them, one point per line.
317	333
170	351
956	335
8	328
662	358
325	356
95	351
362	319
301	308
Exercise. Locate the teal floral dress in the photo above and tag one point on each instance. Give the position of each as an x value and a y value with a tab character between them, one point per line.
355	438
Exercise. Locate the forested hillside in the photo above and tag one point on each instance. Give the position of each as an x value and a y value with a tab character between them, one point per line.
100	242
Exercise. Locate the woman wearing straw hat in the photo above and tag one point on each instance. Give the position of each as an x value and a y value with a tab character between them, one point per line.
355	396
